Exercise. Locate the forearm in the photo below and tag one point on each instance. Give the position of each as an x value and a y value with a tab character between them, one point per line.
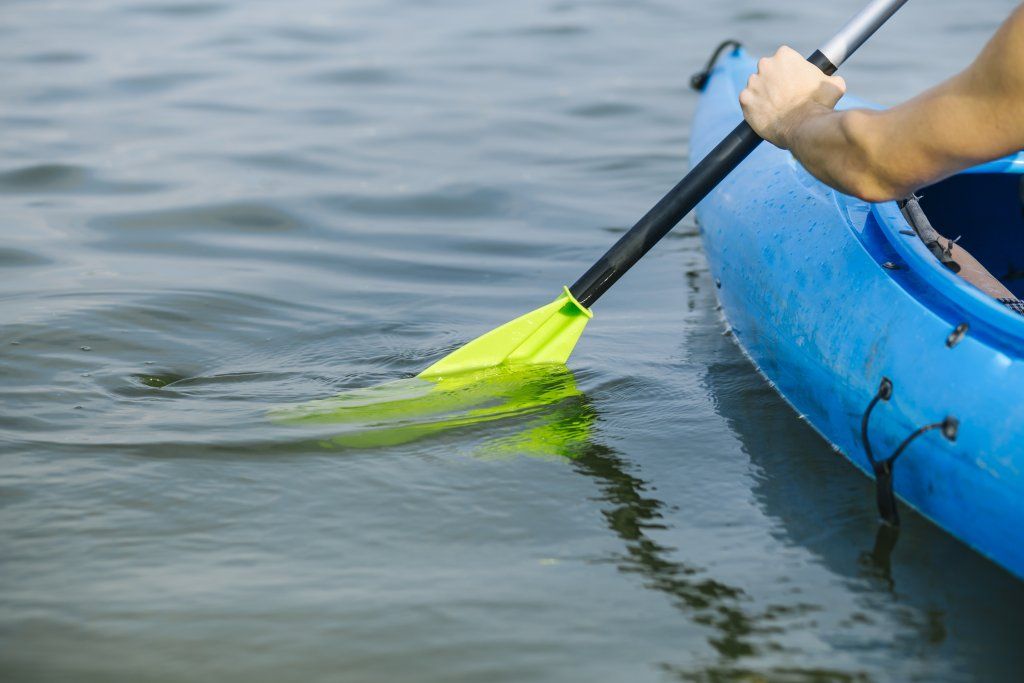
884	155
844	150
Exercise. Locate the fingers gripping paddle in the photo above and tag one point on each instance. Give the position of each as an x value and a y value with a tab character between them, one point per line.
548	334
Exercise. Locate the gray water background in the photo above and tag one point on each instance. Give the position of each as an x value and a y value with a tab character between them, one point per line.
209	209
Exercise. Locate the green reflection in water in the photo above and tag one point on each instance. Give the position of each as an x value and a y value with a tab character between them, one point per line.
409	409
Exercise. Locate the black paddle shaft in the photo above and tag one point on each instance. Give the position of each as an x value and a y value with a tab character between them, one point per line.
674	206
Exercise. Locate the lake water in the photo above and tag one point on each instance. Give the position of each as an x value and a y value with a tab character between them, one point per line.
212	209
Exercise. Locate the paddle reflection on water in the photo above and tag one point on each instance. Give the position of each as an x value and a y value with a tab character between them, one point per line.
559	421
409	409
741	631
632	513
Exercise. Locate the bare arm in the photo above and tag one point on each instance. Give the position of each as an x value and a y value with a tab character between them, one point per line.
974	116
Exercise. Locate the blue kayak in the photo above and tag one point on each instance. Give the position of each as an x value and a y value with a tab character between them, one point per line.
868	335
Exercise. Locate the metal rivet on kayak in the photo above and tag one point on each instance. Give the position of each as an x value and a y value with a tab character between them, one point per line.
950	427
957	334
885	389
889	265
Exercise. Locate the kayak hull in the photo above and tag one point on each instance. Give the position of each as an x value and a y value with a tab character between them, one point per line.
827	297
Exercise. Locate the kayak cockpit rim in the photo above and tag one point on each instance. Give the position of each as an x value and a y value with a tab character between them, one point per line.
945	291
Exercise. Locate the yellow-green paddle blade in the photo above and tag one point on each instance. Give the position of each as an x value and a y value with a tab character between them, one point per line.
514	370
544	336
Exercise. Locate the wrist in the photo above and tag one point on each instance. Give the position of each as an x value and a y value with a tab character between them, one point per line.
798	123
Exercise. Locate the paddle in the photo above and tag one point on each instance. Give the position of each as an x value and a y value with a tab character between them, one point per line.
549	334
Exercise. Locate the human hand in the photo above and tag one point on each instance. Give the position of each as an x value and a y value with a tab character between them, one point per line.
785	91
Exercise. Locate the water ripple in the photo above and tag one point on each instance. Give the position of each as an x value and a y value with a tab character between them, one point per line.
10	257
184	10
234	217
56	177
453	201
357	75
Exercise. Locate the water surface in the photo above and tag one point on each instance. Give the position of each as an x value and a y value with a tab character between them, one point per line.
213	209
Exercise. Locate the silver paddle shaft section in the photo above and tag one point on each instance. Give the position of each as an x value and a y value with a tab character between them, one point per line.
858	29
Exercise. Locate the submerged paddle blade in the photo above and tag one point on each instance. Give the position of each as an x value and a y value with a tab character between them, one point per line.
410	409
546	335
